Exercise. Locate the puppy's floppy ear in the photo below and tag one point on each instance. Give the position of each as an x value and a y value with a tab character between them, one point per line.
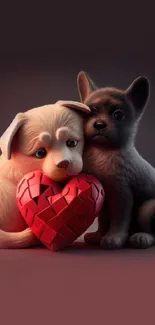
138	93
75	105
85	85
7	137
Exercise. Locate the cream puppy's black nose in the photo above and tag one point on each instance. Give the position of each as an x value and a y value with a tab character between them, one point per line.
63	164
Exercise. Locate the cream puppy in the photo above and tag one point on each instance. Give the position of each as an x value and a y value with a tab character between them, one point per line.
49	138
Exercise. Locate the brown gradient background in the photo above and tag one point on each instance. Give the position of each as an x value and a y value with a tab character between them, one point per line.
42	48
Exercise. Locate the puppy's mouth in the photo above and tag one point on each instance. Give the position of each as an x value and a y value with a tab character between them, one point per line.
58	175
99	134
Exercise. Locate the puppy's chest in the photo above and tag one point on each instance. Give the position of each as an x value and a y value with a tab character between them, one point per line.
102	164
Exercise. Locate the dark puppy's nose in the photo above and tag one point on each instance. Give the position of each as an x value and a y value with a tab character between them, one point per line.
63	164
99	125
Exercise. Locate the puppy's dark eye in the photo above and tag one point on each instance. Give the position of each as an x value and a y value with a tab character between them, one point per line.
71	143
40	153
118	115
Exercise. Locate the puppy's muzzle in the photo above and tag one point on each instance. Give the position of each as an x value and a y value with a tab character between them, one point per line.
63	164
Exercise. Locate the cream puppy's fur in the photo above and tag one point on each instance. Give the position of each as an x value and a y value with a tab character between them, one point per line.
49	138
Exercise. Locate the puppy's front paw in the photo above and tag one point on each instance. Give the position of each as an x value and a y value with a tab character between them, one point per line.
141	240
113	241
92	238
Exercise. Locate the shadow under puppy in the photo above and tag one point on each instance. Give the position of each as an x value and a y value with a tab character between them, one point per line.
110	155
50	138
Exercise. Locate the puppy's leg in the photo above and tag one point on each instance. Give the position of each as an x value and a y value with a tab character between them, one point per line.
94	238
120	204
21	239
146	223
146	216
13	229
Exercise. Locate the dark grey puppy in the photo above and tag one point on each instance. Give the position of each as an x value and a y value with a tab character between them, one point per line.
111	156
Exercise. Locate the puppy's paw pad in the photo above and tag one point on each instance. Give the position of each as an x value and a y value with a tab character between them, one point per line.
141	240
92	238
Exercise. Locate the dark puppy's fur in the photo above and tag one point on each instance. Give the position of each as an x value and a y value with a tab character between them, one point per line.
110	155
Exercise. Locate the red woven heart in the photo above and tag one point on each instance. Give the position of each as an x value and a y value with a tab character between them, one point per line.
59	216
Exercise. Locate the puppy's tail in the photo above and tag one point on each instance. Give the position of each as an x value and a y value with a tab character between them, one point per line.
20	239
146	216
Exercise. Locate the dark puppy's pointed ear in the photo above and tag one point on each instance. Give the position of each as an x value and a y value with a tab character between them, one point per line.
85	85
138	93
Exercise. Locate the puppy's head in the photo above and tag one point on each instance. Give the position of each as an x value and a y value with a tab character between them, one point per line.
50	138
115	113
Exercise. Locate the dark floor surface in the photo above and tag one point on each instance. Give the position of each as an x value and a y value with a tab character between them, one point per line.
77	286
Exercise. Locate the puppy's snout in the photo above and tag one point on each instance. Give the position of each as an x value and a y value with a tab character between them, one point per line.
99	125
63	164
